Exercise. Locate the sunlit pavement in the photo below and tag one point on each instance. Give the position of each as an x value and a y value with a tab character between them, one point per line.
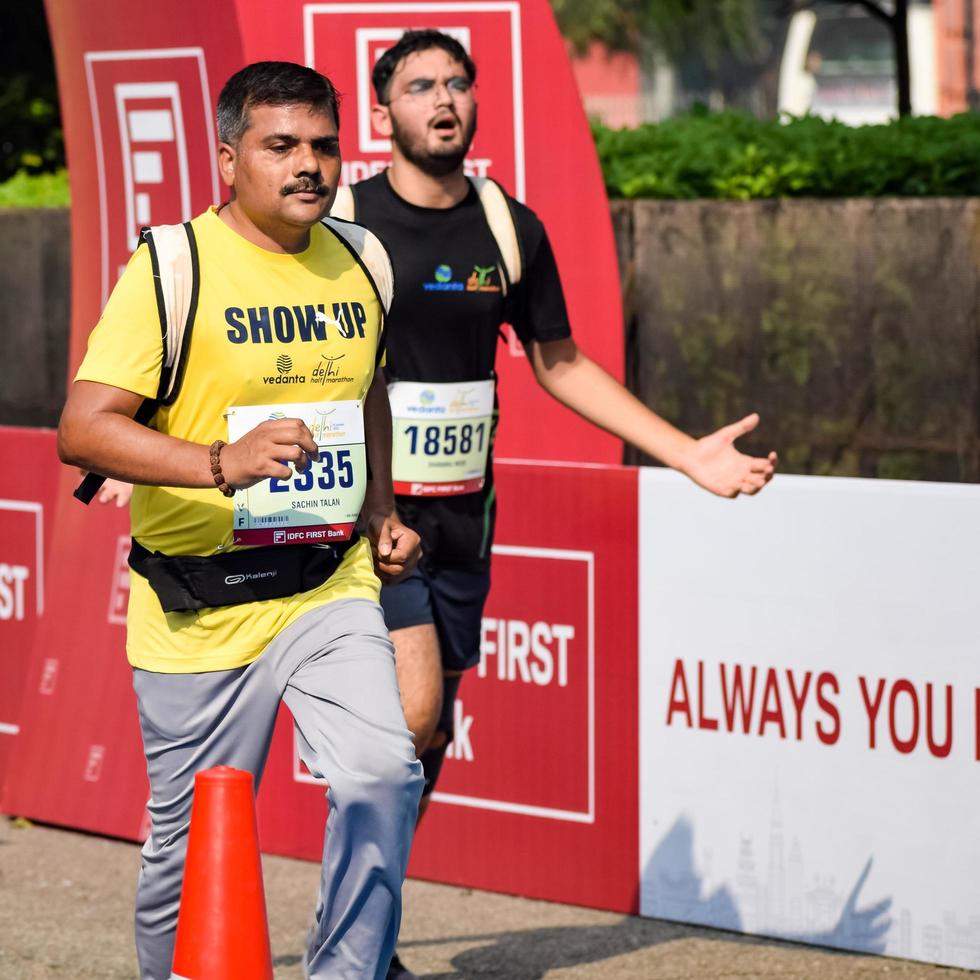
66	902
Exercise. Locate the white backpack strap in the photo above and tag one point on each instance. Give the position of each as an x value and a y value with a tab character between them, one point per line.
343	204
173	255
176	283
500	218
366	247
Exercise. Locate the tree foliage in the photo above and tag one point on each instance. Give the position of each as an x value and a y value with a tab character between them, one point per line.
31	139
671	26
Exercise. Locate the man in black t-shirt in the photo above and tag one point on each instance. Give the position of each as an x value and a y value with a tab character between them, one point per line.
451	297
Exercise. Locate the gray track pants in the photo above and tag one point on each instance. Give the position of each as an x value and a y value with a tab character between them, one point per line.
335	670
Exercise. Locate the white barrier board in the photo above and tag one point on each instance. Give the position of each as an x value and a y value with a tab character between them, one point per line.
802	774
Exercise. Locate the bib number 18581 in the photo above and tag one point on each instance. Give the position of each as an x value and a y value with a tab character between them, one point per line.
441	436
448	440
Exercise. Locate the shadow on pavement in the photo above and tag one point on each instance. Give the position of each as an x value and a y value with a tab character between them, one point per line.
531	954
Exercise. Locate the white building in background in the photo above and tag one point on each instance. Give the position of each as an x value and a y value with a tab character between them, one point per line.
839	64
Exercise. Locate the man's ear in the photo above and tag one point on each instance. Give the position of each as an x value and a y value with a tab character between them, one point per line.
226	163
381	117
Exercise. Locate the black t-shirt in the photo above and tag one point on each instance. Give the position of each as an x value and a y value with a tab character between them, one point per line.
444	326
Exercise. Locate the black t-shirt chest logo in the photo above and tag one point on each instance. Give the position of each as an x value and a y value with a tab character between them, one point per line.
483	279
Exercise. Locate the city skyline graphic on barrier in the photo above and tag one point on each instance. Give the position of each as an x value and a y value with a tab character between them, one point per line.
771	890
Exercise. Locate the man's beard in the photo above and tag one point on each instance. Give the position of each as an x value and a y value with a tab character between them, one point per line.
438	164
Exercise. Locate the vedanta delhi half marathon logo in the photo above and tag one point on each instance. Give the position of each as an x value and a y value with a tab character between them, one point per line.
443	281
283	375
322	427
327	371
427	405
462	404
481	280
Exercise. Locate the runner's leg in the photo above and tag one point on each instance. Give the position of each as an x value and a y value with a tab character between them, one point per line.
189	722
422	648
343	694
408	612
419	667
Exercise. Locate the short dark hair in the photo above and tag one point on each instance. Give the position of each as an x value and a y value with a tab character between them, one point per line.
409	43
272	83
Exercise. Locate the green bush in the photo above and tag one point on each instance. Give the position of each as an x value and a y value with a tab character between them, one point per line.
36	191
732	156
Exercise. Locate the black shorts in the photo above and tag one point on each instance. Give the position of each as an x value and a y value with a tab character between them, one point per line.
450	598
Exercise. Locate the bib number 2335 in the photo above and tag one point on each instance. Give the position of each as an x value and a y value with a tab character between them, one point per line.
319	505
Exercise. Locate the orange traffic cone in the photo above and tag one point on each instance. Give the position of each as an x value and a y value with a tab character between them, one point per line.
222	933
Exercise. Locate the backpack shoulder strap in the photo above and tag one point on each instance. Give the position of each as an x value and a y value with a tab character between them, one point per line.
372	257
503	225
344	205
370	254
177	281
176	284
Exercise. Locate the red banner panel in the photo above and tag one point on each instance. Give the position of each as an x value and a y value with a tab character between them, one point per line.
138	96
529	105
537	668
30	465
78	758
155	133
344	40
544	762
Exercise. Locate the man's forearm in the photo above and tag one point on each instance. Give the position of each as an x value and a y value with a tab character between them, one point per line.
116	446
588	390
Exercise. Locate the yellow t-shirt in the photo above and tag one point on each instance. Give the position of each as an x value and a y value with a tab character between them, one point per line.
266	325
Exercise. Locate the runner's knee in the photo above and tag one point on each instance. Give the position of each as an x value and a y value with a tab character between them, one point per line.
376	777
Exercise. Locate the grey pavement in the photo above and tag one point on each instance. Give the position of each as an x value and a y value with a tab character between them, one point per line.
66	910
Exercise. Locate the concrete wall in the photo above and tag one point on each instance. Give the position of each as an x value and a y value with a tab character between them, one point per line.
35	278
851	326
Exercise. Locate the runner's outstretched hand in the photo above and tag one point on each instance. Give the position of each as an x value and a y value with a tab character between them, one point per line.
715	464
396	547
263	453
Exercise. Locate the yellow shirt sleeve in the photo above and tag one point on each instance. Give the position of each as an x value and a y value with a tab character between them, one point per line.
125	349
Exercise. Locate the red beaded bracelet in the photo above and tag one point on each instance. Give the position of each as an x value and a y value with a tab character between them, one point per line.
219	481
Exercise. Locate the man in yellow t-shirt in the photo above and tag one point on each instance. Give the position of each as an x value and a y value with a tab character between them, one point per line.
280	436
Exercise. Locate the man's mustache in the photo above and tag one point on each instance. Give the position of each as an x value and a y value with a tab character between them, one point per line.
305	187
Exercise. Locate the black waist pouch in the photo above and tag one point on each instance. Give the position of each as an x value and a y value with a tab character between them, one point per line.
187	582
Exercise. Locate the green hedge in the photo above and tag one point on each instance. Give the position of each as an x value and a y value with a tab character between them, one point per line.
35	191
737	157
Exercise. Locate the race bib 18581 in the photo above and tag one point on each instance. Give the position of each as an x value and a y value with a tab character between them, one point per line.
319	505
440	436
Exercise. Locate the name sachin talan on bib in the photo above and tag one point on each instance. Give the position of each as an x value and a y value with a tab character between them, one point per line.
319	505
440	436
